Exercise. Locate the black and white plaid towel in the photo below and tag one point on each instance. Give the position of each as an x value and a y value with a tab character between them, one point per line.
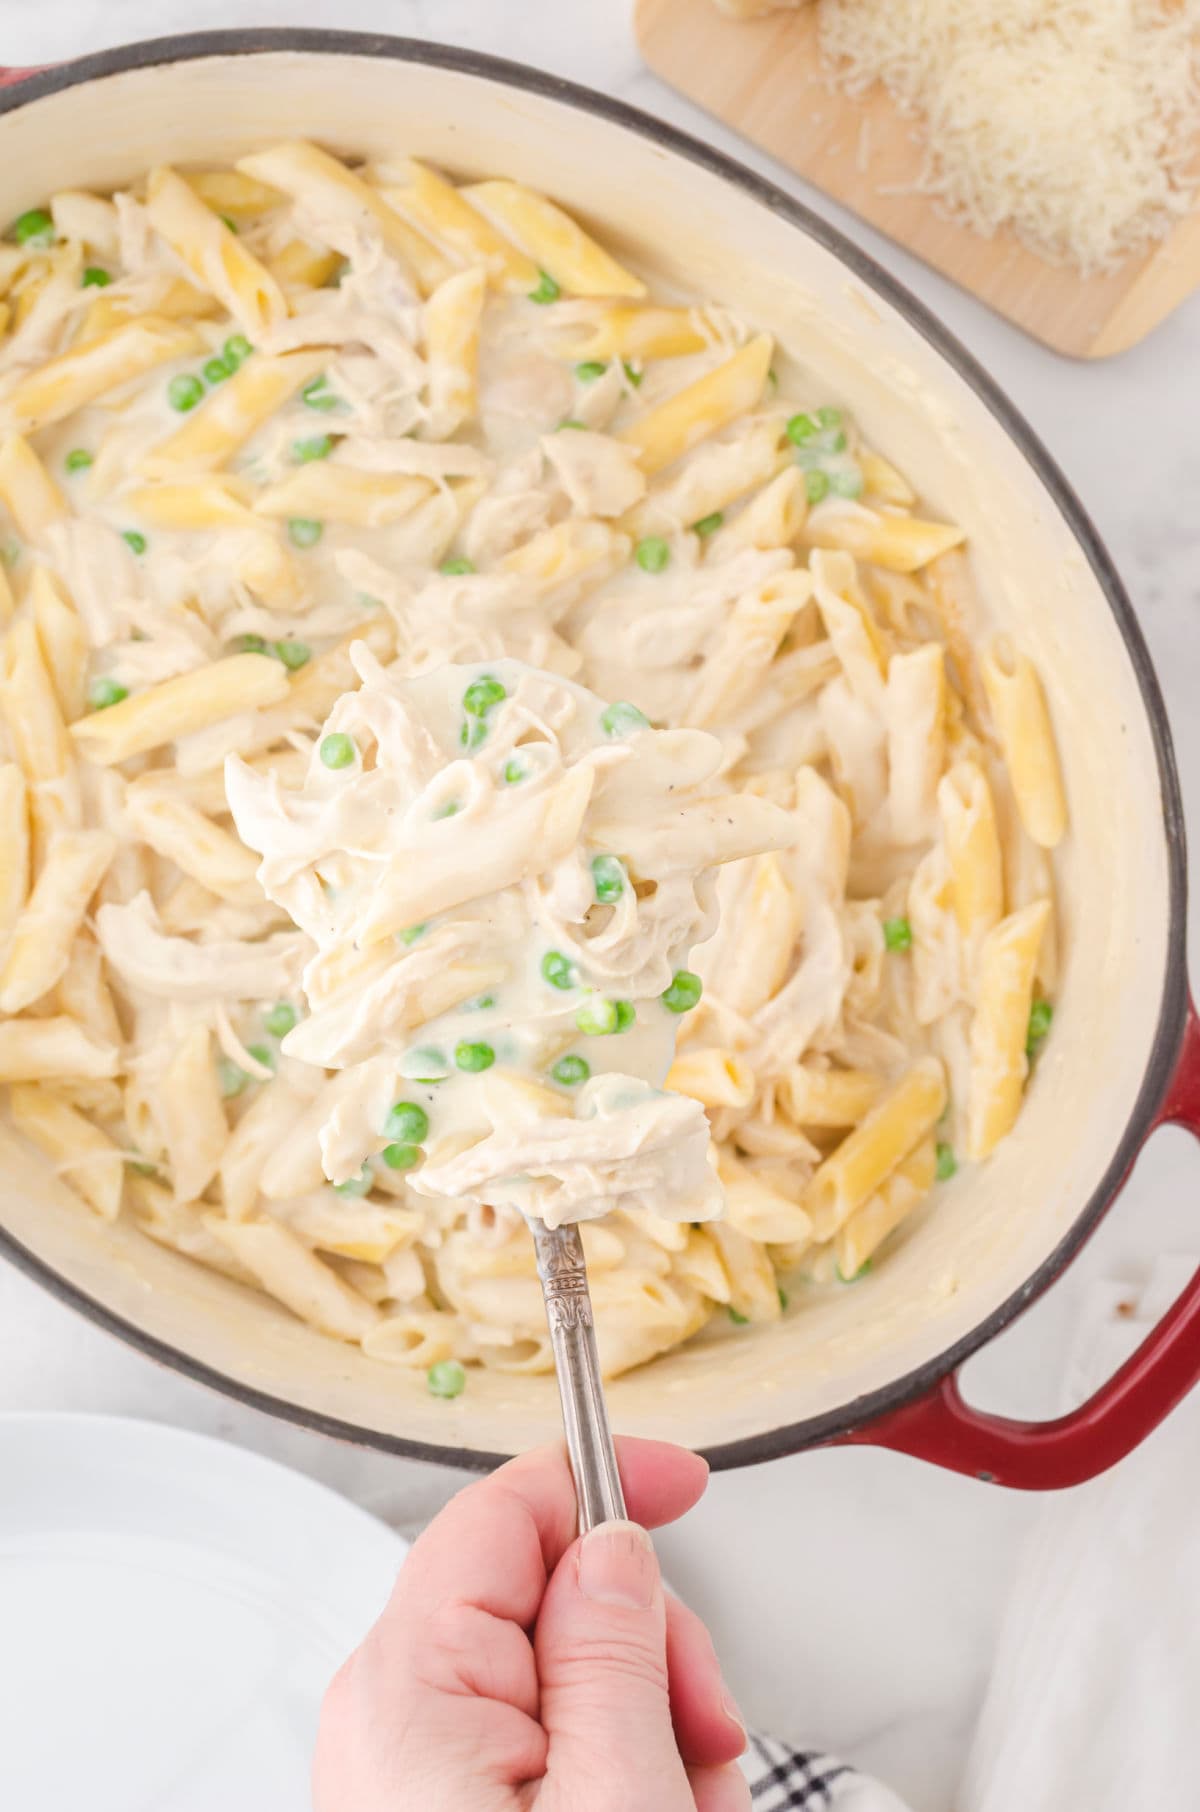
790	1780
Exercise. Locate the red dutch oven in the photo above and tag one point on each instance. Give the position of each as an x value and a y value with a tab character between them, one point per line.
876	1364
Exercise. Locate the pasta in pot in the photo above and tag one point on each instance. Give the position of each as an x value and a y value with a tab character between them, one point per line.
268	431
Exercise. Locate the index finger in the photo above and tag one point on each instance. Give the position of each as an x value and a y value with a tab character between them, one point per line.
495	1545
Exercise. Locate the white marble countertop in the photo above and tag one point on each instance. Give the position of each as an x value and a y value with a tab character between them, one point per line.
882	1580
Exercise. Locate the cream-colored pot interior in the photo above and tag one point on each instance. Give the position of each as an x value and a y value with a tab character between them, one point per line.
701	234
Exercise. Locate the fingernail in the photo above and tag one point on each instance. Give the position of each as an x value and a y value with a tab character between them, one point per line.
617	1566
729	1706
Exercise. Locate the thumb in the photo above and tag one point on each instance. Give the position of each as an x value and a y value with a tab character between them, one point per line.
601	1650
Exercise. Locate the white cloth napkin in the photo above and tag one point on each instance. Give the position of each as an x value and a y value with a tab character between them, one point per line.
1092	1702
787	1780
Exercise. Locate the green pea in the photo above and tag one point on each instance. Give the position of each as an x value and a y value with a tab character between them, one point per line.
547	289
738	1319
558	969
846	484
623	719
446	1379
855	1275
95	277
652	554
294	655
473	732
708	525
480	1003
801	428
684	992
626	1015
318	395
608	879
411	933
401	1157
515	772
589	370
633	374
425	1064
337	749
407	1122
359	1185
773	378
473	1056
451	809
184	391
597	1017
280	1018
134	539
829	417
947	1163
228	221
570	421
263	1054
217	370
317	446
816	486
78	459
482	694
783	1299
142	1167
249	644
571	1071
455	568
304	532
231	1078
34	227
1040	1015
897	934
104	692
236	350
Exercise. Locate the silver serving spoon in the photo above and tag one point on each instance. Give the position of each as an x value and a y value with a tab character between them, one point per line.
563	1274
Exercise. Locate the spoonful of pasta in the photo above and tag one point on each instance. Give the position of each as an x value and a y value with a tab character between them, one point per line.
502	877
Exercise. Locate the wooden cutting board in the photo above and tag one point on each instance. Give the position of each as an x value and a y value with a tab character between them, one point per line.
762	77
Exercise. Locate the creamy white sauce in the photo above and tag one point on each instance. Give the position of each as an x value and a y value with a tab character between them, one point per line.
502	879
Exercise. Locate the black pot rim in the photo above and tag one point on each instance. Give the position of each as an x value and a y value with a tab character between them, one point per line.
828	1426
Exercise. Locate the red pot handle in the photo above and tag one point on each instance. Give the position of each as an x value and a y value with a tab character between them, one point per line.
1044	1456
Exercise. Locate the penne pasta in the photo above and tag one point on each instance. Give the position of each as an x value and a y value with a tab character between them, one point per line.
231	414
328	493
43	935
180	706
665	433
14	848
1000	1027
972	852
1018	705
30	495
294	1276
857	1241
216	257
86	1158
557	244
345	205
43	1050
92	371
441	210
888	1132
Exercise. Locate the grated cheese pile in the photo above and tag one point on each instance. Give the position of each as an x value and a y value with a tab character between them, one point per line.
1072	121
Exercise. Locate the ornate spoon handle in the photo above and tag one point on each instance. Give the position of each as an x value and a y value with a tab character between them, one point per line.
563	1273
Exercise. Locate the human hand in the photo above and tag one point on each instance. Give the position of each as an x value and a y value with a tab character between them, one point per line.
517	1669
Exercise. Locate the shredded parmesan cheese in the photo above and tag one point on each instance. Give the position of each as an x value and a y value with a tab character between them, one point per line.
1070	121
